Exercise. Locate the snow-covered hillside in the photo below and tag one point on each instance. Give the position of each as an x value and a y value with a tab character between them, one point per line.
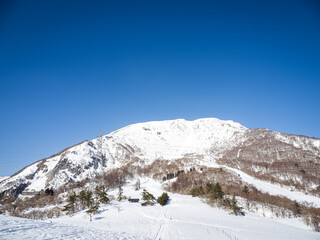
184	217
173	139
147	141
205	142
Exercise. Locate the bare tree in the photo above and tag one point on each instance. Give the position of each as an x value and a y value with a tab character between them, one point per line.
137	185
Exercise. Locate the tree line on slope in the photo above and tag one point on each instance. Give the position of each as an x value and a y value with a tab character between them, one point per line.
216	195
226	194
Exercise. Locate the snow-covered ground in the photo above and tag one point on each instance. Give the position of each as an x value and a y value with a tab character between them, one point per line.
19	228
184	217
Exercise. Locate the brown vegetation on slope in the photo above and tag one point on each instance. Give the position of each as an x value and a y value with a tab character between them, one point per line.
264	156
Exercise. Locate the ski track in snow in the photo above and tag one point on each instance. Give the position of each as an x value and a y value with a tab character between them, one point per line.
166	221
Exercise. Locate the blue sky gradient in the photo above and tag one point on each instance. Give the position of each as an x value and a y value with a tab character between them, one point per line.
70	68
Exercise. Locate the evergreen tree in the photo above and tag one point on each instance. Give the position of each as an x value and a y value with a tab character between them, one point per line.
88	199
120	192
209	188
245	190
201	191
197	191
235	208
82	198
147	196
163	199
144	194
70	208
194	192
90	203
101	194
93	209
217	192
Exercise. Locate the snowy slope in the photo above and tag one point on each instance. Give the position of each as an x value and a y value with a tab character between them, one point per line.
173	139
183	218
208	139
147	141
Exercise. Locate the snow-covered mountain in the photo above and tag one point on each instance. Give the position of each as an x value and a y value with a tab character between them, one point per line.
203	142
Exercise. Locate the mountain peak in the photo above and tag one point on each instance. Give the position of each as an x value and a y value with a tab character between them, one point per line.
202	142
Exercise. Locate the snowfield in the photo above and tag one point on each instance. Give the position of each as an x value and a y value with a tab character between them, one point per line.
184	217
19	228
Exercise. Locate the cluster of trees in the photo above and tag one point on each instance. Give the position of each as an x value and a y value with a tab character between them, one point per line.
87	199
217	196
91	200
162	200
280	206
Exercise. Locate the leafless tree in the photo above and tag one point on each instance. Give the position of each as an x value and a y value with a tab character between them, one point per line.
137	185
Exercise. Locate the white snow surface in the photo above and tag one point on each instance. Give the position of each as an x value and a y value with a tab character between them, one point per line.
175	138
184	217
18	228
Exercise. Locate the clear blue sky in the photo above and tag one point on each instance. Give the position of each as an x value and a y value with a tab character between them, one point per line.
70	68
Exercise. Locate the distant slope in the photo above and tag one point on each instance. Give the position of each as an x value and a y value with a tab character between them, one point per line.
286	159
